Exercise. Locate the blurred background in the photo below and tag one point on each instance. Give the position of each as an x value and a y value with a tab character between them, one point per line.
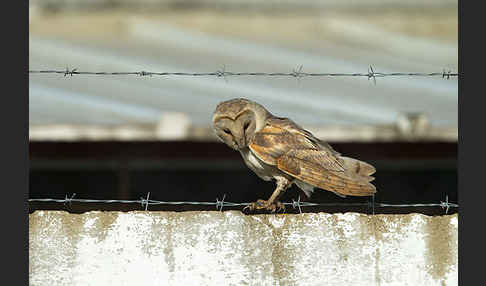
120	137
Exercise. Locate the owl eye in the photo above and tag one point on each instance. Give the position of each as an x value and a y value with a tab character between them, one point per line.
246	125
227	131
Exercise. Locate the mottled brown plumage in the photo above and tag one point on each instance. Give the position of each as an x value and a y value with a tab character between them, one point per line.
277	148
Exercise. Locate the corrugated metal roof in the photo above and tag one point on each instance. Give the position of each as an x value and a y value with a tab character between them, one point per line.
151	45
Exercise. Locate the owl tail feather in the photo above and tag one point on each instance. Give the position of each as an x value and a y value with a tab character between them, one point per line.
359	167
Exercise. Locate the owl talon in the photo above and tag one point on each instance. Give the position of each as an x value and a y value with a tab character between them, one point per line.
280	207
250	207
262	204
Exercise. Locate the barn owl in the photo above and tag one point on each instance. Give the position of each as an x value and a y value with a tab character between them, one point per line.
277	148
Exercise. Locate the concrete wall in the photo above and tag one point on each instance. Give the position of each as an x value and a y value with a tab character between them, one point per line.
230	248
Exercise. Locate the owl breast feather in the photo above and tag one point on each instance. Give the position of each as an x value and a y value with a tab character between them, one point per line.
263	170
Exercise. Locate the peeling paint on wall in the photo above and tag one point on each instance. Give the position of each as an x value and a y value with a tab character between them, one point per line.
230	248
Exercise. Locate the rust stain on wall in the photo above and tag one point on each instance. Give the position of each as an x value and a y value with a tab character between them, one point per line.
441	245
210	248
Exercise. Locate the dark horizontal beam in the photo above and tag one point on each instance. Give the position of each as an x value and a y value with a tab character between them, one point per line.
194	150
212	164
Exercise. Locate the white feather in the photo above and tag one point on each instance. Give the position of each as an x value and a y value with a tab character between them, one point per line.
255	164
309	189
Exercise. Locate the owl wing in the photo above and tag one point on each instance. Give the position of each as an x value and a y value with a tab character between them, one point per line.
293	128
297	152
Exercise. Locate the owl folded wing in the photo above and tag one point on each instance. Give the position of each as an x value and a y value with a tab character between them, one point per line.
307	166
298	153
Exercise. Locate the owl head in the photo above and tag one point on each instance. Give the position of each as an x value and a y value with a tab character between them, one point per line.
237	120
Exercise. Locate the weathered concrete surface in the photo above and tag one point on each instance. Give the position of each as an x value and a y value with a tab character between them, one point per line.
229	248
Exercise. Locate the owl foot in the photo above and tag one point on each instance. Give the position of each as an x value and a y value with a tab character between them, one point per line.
262	204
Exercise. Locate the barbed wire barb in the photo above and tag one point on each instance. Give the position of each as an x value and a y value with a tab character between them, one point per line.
222	73
371	74
220	204
297	203
68	202
145	201
446	75
144	73
445	204
69	72
297	73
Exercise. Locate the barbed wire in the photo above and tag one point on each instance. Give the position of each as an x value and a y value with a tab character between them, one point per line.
296	73
219	204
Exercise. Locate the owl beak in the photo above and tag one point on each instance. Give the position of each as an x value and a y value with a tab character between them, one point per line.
241	142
